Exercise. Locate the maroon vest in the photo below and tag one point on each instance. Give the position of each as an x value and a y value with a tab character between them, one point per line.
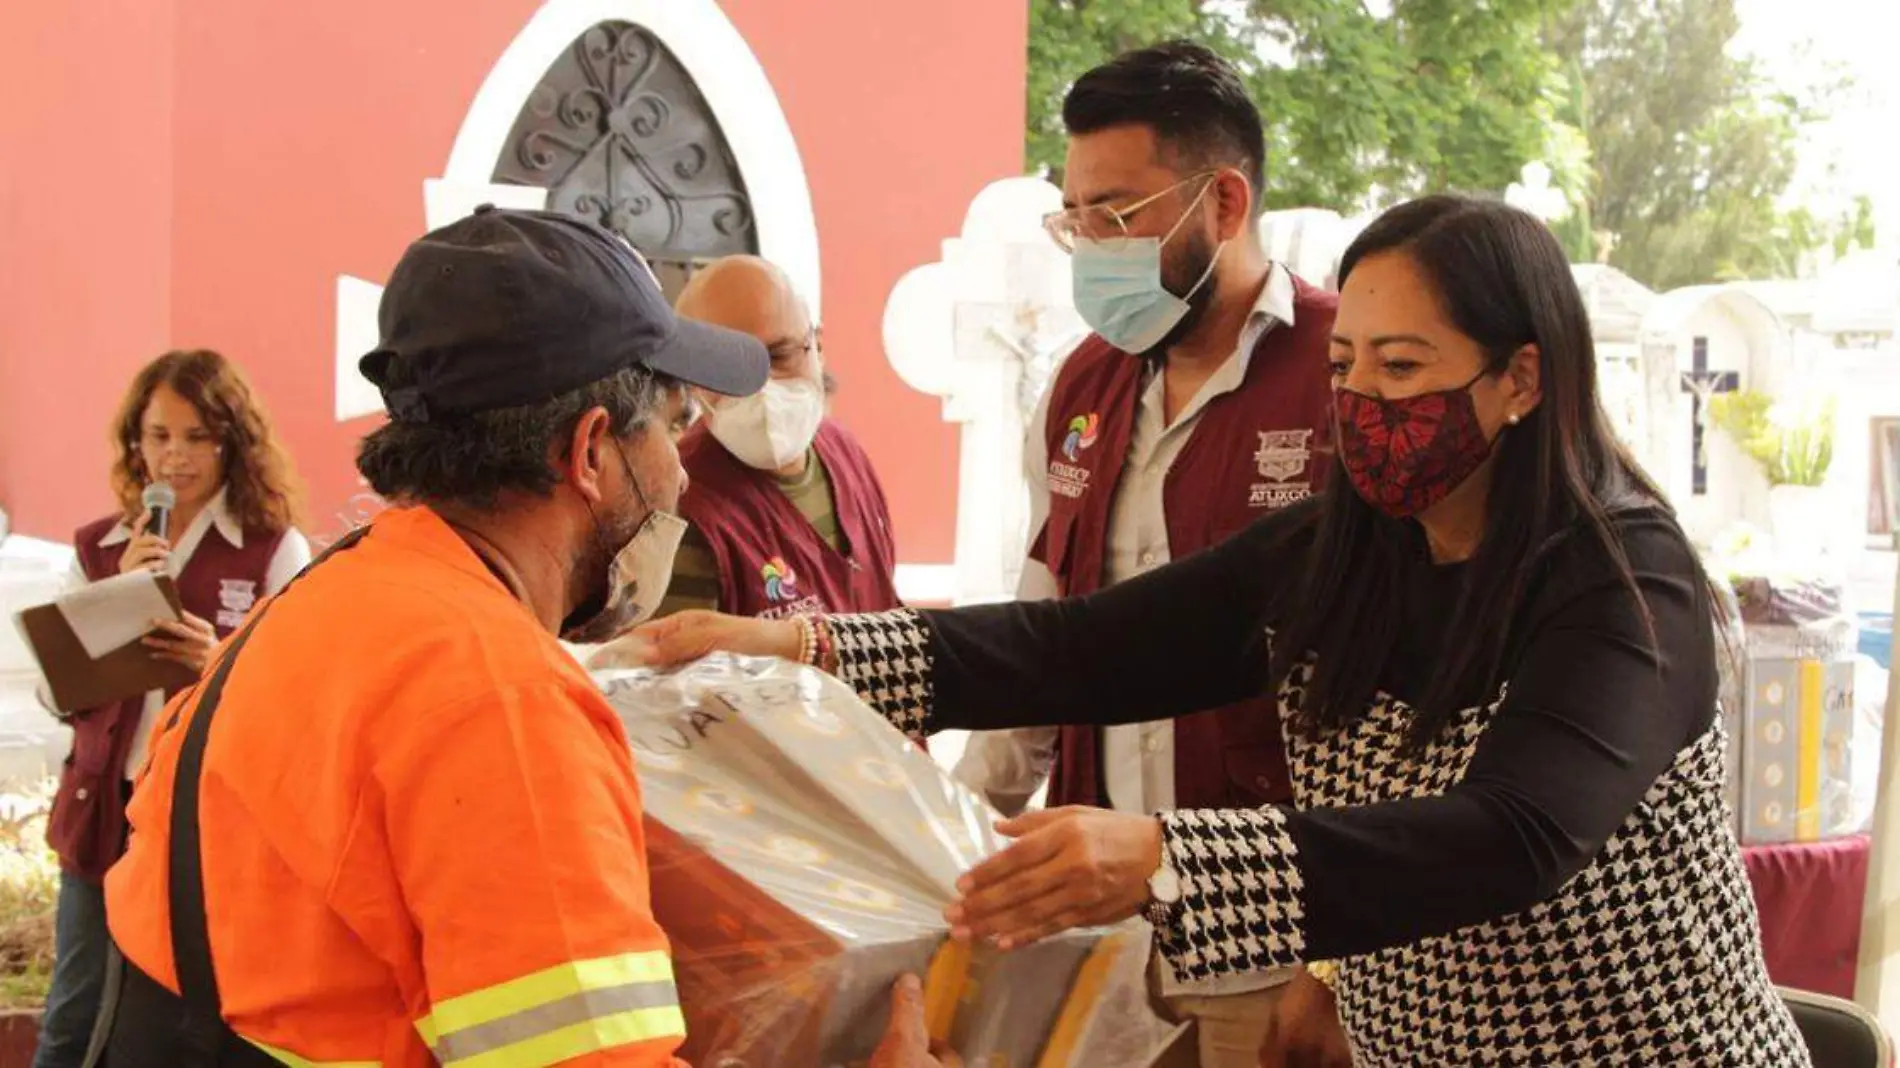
1262	447
772	563
87	824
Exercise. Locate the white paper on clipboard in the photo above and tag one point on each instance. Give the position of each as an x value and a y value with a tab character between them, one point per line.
114	612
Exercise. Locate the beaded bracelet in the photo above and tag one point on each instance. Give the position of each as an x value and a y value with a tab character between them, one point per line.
825	650
807	640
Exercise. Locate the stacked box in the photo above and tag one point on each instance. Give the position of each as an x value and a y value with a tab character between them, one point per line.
802	853
1796	732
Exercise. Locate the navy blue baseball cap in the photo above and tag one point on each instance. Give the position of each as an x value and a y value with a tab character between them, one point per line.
506	308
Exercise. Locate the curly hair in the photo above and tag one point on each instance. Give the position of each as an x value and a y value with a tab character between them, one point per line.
260	488
472	460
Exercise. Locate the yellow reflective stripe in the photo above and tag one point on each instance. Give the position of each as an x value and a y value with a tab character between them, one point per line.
575	1010
284	1056
550	984
603	1033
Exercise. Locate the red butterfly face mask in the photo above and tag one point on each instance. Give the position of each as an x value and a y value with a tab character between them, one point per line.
1407	454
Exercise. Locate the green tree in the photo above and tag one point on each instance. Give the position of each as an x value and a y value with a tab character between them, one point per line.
1068	37
1692	148
1856	230
1360	107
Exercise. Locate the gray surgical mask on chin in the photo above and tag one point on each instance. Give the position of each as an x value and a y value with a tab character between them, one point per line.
636	579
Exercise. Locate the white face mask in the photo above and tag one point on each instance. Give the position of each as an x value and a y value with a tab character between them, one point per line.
638	577
773	427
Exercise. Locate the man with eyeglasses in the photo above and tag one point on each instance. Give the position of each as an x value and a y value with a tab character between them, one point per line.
1201	402
787	516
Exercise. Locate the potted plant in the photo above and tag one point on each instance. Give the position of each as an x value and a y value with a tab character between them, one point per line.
1794	444
29	891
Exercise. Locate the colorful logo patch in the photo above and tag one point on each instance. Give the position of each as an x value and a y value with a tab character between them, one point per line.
781	584
1081	434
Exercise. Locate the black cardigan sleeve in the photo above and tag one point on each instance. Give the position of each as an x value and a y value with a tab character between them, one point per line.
1596	707
1184	637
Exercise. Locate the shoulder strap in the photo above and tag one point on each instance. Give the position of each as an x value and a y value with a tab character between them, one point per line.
191	938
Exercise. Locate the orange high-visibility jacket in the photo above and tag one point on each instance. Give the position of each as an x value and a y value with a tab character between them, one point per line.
421	831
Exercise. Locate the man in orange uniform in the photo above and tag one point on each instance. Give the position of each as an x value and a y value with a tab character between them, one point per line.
398	818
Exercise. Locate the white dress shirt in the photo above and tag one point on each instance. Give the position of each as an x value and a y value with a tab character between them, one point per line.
1009	767
291	556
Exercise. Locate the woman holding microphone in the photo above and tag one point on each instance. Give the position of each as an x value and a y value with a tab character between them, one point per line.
1494	655
191	432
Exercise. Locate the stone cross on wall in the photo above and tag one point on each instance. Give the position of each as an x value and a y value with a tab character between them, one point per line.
984	328
1703	384
1025	339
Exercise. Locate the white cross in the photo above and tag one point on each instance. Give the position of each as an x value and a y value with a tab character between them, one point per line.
983	328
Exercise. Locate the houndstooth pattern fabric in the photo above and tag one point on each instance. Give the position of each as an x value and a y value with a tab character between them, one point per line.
1240	892
1649	956
885	658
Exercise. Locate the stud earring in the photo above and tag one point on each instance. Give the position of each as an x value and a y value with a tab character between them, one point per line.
1511	419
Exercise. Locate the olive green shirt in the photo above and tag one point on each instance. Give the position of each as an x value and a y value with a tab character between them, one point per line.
696	569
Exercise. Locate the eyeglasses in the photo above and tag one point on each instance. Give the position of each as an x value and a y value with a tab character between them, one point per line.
1099	222
200	443
788	350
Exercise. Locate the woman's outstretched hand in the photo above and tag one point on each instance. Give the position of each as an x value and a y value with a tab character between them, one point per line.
1069	867
677	639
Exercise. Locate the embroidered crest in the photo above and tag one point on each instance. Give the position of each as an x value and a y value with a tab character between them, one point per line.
236	597
1282	459
1283	453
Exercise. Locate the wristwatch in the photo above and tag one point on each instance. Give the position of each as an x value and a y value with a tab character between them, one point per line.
1164	897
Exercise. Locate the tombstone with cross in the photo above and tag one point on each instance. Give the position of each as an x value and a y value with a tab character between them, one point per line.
984	328
1697	344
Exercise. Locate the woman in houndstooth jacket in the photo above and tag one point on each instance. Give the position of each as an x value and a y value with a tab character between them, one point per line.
1495	663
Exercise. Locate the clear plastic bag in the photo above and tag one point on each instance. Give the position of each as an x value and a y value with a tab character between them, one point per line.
802	852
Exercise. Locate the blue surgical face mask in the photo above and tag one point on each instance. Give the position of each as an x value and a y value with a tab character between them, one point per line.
1118	290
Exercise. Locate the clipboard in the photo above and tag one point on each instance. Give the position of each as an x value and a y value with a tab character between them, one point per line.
77	681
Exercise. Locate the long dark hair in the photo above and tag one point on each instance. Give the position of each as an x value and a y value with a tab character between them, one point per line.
1504	281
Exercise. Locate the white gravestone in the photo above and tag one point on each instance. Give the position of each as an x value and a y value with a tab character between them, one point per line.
983	328
1697	343
1617	305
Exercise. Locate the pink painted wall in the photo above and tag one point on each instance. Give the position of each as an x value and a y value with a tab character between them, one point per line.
86	236
199	174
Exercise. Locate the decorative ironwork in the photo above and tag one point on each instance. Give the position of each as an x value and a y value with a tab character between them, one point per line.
619	133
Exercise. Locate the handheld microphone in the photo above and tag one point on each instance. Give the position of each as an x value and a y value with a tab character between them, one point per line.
159	500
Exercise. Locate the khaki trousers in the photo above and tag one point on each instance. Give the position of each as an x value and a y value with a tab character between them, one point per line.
1228	1028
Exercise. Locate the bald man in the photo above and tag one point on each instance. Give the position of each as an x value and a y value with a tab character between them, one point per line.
787	517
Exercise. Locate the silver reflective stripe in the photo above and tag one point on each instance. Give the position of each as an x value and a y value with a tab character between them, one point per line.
542	1019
